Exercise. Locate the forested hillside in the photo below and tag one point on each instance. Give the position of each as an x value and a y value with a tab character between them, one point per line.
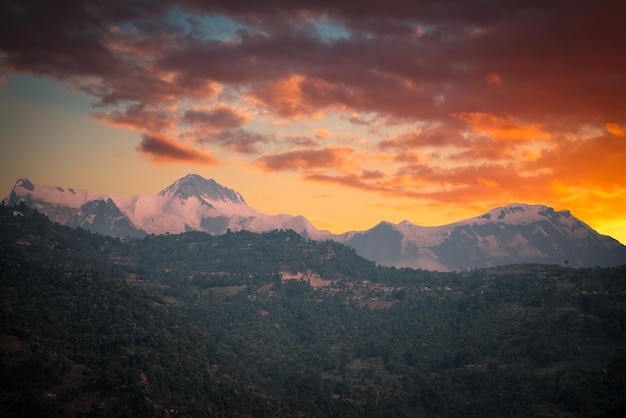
276	325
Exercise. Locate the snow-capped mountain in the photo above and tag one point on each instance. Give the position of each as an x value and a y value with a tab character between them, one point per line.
191	203
517	233
75	208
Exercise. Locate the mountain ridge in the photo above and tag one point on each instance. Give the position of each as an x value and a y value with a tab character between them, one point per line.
515	233
503	235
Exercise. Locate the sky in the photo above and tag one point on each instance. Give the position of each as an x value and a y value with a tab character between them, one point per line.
347	113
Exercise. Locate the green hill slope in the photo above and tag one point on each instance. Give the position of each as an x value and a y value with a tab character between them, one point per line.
275	325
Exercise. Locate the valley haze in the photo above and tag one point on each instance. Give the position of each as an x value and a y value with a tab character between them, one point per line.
516	233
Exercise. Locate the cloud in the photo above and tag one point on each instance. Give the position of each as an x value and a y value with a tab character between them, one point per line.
587	167
615	129
372	174
501	128
286	97
307	159
237	140
300	141
423	61
356	119
494	79
219	117
451	102
433	75
350	180
596	161
435	136
323	133
139	117
163	150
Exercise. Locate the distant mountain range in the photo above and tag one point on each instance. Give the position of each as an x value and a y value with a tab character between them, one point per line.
517	233
191	203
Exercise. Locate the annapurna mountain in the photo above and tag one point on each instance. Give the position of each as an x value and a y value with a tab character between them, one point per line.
517	233
191	203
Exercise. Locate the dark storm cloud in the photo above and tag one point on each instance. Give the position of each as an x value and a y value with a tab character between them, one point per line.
406	59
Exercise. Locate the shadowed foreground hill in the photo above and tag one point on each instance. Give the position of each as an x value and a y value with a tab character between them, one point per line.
197	325
74	343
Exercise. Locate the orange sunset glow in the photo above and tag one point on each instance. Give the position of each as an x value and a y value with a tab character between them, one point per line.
347	113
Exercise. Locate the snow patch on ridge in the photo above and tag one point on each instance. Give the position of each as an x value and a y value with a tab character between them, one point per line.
73	198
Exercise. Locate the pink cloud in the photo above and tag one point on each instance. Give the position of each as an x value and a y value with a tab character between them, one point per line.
323	133
400	69
502	127
237	140
304	159
221	117
300	141
163	150
387	64
437	136
139	117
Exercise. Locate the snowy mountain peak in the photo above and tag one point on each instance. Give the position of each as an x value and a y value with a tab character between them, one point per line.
520	213
25	183
205	190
